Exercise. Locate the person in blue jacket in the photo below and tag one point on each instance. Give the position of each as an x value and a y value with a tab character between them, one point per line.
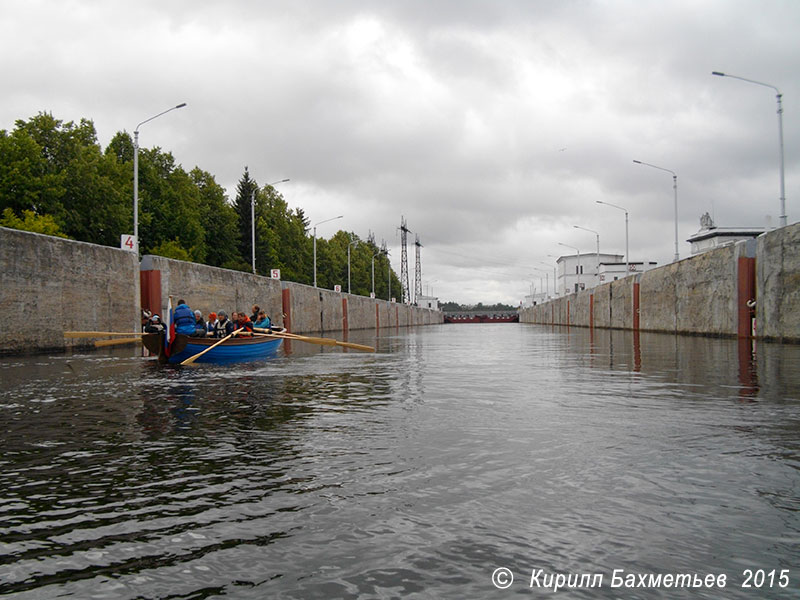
183	318
262	321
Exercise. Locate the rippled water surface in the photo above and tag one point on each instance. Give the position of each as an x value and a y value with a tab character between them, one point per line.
415	472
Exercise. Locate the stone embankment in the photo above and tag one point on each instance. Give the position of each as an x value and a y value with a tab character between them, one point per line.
750	289
51	285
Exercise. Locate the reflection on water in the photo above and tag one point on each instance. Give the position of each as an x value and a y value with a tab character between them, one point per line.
413	472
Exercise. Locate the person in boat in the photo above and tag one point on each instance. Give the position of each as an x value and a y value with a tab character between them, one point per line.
223	326
146	316
262	322
199	324
154	325
211	323
183	318
243	322
254	315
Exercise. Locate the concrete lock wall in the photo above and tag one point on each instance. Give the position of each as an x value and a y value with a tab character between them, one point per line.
51	285
312	309
76	286
707	294
778	284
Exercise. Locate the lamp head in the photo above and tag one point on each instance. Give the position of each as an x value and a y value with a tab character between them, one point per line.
718	73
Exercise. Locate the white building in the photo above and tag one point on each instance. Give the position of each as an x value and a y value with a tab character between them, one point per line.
588	270
537	297
581	271
710	236
614	271
428	302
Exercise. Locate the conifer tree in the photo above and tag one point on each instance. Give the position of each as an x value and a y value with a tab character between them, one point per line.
246	189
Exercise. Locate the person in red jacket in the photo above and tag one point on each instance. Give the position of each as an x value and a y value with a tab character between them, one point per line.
244	322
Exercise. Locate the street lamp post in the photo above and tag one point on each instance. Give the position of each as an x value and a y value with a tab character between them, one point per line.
136	171
253	221
378	253
627	257
429	284
555	279
315	244
547	278
675	190
353	243
779	97
579	265
542	289
597	235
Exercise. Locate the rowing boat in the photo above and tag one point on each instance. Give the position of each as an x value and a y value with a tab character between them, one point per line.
235	349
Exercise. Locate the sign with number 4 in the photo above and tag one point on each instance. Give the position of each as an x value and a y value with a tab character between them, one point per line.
128	242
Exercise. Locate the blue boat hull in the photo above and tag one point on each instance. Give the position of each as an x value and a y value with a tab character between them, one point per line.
236	349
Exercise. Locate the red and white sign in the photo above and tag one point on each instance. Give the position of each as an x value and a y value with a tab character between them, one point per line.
337	288
128	242
275	273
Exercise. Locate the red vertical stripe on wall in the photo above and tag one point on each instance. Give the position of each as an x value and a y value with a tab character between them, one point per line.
286	298
377	317
746	284
636	306
150	291
591	310
344	315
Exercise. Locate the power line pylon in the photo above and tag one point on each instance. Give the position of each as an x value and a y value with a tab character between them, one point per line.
404	260
417	274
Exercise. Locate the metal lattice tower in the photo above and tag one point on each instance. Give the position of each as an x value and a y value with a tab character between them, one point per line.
417	274
404	260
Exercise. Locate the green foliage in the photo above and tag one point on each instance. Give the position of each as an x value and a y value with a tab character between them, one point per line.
56	179
245	190
171	249
218	220
30	221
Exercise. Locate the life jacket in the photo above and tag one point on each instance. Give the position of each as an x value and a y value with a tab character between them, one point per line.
221	328
183	318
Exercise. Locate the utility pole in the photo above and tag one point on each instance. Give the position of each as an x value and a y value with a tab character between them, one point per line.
404	260
417	273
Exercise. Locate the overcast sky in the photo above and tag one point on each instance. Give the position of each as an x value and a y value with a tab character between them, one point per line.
492	127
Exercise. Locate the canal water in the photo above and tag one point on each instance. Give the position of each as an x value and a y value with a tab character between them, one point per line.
459	461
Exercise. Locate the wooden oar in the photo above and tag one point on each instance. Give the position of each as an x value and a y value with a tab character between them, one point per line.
102	343
94	334
327	341
314	340
291	336
191	359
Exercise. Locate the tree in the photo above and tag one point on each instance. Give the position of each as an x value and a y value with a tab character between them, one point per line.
31	222
57	169
245	191
22	168
169	205
281	237
219	221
